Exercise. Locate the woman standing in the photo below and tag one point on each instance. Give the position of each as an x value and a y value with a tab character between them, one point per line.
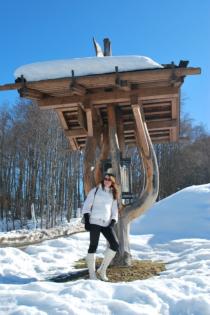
100	210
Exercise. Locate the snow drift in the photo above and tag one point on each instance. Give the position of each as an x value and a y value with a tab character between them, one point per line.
185	214
84	66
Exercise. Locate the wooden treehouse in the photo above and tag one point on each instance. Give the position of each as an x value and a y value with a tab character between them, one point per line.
108	110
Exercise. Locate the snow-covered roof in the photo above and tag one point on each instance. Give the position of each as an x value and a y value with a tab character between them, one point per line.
83	66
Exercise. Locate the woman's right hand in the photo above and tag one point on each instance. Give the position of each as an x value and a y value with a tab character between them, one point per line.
87	221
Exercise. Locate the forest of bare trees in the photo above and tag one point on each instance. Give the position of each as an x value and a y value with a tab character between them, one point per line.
37	166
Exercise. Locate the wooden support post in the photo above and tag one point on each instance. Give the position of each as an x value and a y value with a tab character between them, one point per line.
89	158
73	143
104	154
89	121
174	132
137	111
62	119
149	194
81	117
92	145
114	145
120	132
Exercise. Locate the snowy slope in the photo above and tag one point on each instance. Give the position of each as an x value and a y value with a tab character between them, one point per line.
185	214
183	289
83	66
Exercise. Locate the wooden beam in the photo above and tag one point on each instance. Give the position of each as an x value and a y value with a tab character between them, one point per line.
89	122
68	110
157	93
157	103
121	84
89	158
65	107
163	138
73	143
173	109
77	89
114	147
155	125
120	133
100	120
32	94
173	135
76	133
140	126
62	119
154	141
82	118
108	97
104	153
159	112
11	86
178	118
107	79
175	114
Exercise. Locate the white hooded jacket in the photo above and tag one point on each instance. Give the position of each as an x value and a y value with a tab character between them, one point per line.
104	207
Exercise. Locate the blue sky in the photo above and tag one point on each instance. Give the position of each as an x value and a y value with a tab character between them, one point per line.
163	30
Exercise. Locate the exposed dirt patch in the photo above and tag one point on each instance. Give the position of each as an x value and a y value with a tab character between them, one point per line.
139	270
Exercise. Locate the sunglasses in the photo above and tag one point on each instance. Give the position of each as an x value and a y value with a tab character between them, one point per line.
107	179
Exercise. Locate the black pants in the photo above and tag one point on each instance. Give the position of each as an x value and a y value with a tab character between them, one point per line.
107	232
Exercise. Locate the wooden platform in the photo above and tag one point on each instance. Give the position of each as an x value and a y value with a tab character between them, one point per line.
73	98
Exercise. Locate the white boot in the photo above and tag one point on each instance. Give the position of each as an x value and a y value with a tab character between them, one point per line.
91	260
108	256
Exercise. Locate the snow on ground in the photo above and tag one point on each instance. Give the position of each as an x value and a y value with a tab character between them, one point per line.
83	66
183	289
185	214
20	238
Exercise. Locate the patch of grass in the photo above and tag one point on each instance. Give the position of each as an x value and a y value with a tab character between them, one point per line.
139	270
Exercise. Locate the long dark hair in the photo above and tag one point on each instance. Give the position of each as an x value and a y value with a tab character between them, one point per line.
113	186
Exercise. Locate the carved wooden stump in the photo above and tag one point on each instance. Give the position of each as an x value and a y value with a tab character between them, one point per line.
110	146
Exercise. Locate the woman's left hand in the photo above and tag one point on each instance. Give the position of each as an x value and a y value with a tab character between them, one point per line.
112	223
